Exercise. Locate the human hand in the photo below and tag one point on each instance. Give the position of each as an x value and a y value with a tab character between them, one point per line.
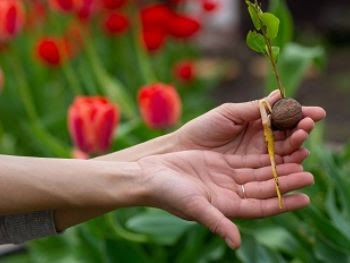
236	128
207	187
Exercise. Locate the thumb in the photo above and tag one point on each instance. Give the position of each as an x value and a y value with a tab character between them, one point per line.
211	217
249	111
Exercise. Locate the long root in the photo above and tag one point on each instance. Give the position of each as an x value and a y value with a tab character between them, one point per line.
265	110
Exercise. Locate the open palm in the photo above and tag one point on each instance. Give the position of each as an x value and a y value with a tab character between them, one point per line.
207	187
236	128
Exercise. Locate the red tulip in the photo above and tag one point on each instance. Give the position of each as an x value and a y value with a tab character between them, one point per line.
65	5
92	122
160	105
116	23
11	18
86	9
182	26
155	16
52	51
184	71
210	5
113	4
153	39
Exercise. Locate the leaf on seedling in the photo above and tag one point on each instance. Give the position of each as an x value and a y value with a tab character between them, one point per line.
271	22
275	53
254	16
256	41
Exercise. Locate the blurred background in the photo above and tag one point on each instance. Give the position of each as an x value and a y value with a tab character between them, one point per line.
64	61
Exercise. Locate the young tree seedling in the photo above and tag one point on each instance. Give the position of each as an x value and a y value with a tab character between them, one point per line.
286	113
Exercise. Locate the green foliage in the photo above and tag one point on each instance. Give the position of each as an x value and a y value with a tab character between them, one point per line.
270	24
256	42
293	63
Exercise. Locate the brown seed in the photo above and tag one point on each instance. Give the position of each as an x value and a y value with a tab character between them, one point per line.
286	114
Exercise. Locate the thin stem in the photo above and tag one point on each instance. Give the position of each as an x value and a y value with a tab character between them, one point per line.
51	142
274	67
73	82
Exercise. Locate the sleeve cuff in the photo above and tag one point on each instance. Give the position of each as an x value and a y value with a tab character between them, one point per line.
19	228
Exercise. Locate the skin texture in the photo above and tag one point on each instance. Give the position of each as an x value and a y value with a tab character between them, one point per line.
195	172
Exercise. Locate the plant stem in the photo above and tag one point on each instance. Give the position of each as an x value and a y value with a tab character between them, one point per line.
52	143
112	86
73	82
274	67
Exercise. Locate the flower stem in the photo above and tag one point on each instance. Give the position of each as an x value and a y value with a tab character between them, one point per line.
52	143
112	86
73	82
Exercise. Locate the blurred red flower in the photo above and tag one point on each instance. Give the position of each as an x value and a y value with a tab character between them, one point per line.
86	9
52	51
153	38
113	4
74	37
11	18
184	71
160	105
115	23
154	19
210	5
92	122
182	26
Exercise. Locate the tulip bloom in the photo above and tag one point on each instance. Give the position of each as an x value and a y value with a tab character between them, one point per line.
155	20
184	71
210	5
50	51
86	9
182	26
160	105
92	122
11	18
116	23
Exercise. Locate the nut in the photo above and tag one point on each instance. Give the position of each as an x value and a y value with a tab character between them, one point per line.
286	114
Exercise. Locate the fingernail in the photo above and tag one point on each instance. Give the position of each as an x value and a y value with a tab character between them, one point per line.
230	243
307	152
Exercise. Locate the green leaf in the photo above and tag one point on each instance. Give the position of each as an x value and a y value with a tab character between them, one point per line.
271	22
162	227
254	16
120	251
253	252
256	41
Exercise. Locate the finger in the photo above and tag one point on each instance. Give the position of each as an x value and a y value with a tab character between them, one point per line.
255	208
245	175
297	156
249	161
292	143
266	189
209	216
315	113
247	111
307	124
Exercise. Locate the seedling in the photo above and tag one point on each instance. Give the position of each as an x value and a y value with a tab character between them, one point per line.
285	113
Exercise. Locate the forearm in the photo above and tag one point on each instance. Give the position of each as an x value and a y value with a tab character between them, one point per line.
159	145
35	184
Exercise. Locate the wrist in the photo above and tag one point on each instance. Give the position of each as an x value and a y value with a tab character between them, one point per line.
126	184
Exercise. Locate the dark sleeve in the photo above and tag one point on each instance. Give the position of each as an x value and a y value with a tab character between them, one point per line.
19	228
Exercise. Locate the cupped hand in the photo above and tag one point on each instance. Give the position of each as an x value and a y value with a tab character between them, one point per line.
207	187
236	128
